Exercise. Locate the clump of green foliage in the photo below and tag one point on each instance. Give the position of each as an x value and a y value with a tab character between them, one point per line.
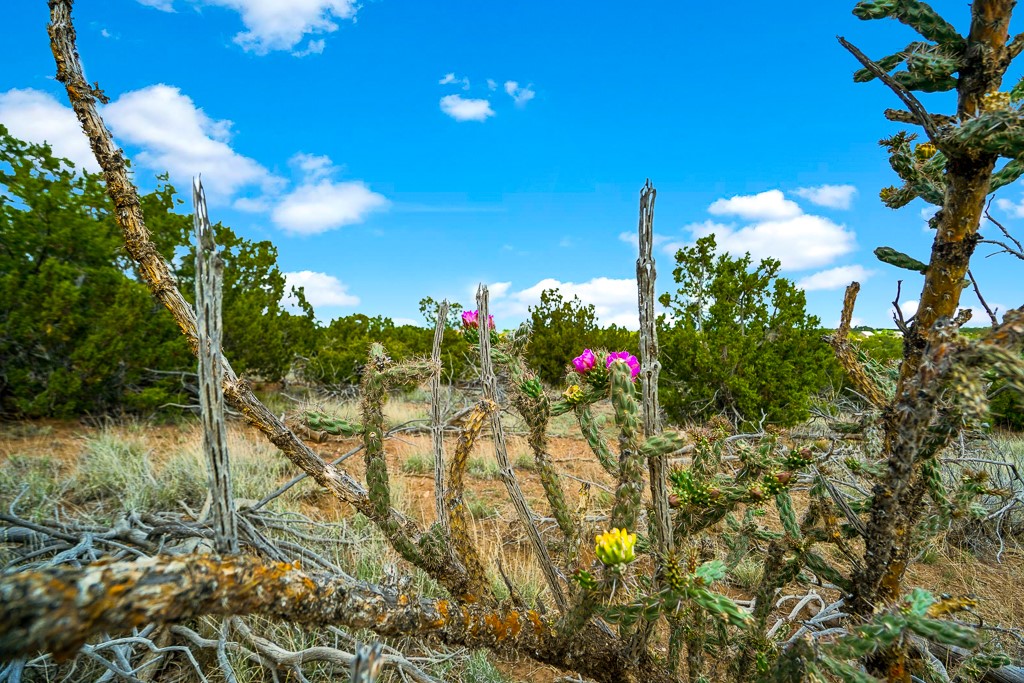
737	339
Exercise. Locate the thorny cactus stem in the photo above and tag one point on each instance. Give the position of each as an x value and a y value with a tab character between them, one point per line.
379	373
462	542
626	509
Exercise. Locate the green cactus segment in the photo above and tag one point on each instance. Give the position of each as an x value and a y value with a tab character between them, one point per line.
817	564
924	82
590	395
692	588
899	259
887	63
932	473
784	503
917	15
533	406
591	432
663	444
380	372
631	461
1007	175
623	392
626	508
1000	131
321	422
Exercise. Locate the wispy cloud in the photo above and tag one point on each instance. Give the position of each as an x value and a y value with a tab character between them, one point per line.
452	79
835	278
830	196
519	95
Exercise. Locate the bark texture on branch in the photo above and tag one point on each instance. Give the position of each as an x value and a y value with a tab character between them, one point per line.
57	609
650	365
209	283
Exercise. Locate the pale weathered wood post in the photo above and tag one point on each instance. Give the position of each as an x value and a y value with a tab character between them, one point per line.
209	282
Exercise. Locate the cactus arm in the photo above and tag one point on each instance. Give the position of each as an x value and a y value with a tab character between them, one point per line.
591	432
626	508
462	542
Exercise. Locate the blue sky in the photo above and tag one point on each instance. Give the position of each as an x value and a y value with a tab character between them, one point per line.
394	149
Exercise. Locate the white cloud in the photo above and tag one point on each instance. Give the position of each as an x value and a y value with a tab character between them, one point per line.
450	78
313	47
909	308
324	205
835	278
162	5
831	196
780	230
1011	209
614	300
178	137
519	95
276	25
770	205
312	166
491	84
799	243
464	109
36	116
320	290
105	33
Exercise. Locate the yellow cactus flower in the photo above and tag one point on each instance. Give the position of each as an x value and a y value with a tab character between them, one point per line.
925	150
573	394
615	547
995	101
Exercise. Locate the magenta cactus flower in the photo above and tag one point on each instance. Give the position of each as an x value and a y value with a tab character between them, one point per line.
627	358
584	362
471	320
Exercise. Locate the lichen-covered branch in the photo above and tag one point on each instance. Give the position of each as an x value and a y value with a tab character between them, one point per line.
58	609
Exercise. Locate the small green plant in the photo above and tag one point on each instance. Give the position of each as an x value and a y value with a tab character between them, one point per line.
484	468
479	508
418	463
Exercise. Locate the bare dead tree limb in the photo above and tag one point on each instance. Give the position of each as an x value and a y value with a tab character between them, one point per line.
436	423
58	609
209	282
650	365
846	354
921	115
984	304
508	475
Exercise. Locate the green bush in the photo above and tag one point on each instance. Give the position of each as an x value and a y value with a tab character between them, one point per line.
737	340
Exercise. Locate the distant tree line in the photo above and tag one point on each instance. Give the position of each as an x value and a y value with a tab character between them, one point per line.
80	334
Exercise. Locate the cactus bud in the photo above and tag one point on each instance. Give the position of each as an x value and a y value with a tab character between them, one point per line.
615	547
573	394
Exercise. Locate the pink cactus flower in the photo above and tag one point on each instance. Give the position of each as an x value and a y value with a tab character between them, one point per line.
584	362
471	320
627	358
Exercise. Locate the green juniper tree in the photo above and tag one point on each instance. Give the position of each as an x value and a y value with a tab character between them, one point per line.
737	340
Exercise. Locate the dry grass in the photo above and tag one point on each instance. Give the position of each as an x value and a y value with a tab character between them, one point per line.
105	471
